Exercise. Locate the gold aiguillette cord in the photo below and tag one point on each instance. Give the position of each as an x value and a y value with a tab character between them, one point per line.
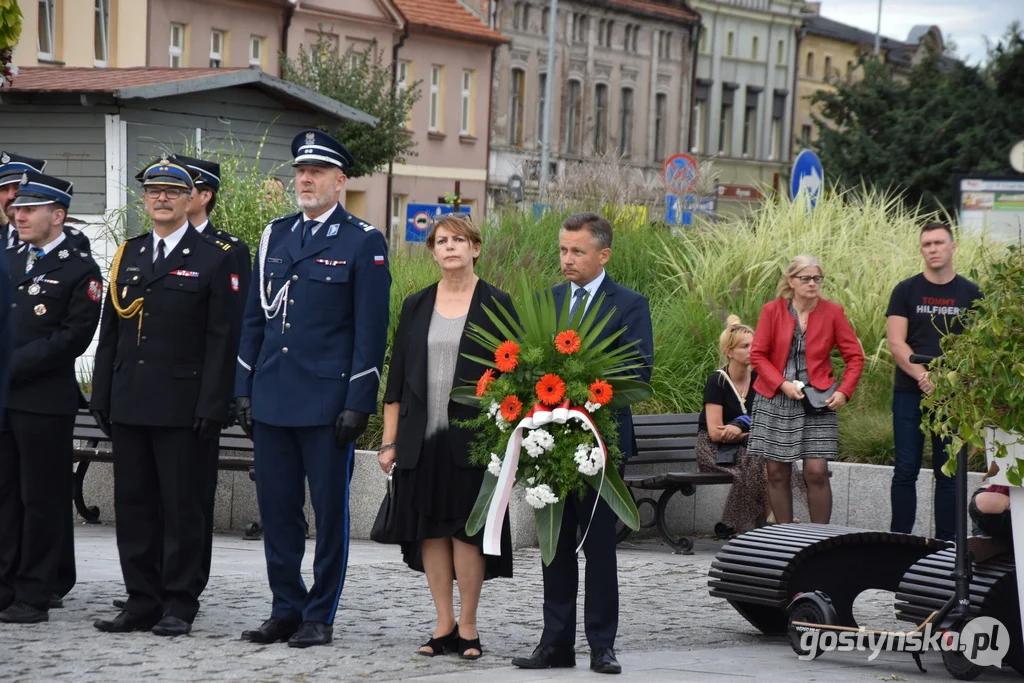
134	308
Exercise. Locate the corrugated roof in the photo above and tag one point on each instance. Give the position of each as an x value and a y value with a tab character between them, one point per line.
448	17
154	82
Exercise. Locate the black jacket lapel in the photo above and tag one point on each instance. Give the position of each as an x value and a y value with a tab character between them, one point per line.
417	359
47	264
176	259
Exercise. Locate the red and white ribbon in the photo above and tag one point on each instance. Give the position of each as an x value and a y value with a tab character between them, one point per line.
538	416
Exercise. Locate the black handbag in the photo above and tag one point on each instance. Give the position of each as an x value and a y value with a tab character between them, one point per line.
726	453
383	530
816	400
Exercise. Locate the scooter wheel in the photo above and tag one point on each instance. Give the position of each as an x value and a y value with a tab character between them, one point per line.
957	665
813	608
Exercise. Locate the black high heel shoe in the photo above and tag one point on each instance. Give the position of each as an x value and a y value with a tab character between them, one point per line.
465	645
442	645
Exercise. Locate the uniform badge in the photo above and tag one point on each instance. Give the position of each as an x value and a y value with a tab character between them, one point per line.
310	138
271	259
95	290
143	250
184	273
234	282
64	254
186	251
5	159
40	309
34	289
333	230
378	260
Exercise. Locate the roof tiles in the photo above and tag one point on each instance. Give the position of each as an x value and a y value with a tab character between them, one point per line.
449	17
82	79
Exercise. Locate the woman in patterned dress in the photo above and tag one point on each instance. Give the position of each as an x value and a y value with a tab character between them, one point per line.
792	349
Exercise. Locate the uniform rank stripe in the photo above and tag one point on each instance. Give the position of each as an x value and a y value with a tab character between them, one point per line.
245	365
365	372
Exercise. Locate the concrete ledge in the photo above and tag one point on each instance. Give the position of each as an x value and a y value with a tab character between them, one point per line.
860	499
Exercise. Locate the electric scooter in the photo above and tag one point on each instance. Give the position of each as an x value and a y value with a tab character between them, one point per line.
813	611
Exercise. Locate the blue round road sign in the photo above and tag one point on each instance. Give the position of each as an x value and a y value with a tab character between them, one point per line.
807	176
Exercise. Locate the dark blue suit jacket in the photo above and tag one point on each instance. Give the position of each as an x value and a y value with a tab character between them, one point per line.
633	312
328	355
6	329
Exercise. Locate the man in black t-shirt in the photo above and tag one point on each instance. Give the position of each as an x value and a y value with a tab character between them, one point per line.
922	310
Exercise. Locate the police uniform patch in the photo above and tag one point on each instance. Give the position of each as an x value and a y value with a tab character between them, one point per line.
333	230
64	254
40	309
234	282
34	289
5	159
186	251
95	290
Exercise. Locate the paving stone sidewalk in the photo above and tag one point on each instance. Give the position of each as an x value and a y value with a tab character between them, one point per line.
385	613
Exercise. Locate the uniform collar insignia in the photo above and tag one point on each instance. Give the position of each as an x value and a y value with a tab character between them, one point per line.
64	254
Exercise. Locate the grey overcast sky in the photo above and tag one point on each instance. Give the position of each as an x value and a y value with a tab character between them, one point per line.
966	22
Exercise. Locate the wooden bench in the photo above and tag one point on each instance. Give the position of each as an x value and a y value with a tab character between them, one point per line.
666	440
92	445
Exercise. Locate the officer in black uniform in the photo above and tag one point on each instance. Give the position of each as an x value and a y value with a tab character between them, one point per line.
163	379
56	307
12	167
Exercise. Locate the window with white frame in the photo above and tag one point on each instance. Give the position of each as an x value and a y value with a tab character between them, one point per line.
101	33
46	22
256	51
434	122
466	110
216	49
176	51
398	203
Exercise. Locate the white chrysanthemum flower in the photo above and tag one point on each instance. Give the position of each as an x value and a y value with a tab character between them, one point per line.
588	460
494	467
537	442
539	496
591	407
493	410
531	481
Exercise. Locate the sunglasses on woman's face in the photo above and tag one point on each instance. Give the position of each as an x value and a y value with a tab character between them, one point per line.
808	279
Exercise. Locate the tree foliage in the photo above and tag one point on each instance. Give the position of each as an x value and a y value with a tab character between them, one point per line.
947	118
362	81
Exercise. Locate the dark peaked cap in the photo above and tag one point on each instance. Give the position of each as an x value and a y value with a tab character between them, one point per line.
317	148
13	166
203	172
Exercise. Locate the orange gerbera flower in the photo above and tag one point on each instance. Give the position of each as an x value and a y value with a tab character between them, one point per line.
511	407
506	356
550	389
600	392
567	342
485	379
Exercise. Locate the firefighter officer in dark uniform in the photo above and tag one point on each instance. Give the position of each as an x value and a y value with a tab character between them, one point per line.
161	387
309	364
12	167
56	307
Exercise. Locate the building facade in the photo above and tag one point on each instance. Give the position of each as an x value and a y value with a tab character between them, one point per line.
621	84
82	33
743	104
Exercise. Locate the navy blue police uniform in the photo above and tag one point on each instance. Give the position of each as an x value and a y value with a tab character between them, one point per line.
206	175
162	384
313	342
56	305
12	168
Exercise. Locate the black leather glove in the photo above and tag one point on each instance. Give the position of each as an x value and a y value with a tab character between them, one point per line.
232	418
206	428
243	413
102	421
349	426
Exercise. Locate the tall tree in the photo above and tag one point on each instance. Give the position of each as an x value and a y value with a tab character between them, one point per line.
360	80
913	136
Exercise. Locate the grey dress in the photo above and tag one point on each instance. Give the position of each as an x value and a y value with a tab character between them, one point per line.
781	429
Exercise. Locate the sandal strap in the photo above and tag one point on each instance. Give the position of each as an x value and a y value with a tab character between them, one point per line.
469	645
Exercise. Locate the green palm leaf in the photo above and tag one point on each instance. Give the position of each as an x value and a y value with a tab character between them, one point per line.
478	517
626	392
616	494
549	523
467	396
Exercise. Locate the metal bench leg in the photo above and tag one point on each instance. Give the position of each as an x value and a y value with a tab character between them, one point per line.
90	513
683	545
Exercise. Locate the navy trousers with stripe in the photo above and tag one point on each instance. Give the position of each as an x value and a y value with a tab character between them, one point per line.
285	458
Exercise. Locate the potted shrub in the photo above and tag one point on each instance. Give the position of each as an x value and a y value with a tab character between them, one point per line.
979	380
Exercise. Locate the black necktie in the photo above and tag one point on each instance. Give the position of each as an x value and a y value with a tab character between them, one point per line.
14	236
577	300
159	262
307	230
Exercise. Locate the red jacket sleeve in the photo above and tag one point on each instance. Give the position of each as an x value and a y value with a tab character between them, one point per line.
851	350
761	349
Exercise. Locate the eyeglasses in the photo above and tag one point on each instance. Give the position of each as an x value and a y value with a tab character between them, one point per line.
171	192
808	279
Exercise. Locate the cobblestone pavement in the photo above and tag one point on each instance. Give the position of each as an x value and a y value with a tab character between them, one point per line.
385	613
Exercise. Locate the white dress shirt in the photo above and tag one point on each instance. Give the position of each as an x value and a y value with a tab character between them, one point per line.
319	219
591	288
54	244
202	227
170	242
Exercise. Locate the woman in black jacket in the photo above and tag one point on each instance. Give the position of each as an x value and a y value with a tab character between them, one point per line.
435	484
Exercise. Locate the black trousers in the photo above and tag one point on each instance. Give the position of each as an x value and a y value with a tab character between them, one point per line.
209	501
160	481
562	576
35	483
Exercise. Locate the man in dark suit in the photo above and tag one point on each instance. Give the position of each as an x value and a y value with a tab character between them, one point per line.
161	387
585	242
57	307
12	167
313	341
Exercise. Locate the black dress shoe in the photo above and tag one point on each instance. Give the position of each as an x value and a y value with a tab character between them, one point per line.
119	603
271	631
56	602
547	657
172	626
602	660
311	633
23	613
126	622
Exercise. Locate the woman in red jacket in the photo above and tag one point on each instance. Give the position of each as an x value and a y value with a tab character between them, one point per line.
792	349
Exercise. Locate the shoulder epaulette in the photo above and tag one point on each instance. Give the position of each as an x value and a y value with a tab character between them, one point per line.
217	242
226	236
135	237
359	222
290	218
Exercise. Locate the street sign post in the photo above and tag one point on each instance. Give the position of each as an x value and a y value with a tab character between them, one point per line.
807	177
680	174
419	219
